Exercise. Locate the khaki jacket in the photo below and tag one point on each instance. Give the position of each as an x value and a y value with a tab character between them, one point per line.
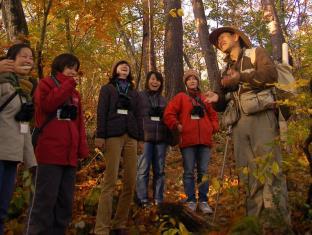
14	146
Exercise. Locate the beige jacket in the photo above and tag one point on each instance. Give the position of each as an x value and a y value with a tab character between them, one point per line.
14	146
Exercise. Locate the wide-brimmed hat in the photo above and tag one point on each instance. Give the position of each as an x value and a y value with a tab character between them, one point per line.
213	37
189	73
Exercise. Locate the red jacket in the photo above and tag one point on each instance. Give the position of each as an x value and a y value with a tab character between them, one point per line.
194	132
61	142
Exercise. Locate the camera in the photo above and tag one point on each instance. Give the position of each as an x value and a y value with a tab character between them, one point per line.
124	102
26	112
156	111
198	111
67	112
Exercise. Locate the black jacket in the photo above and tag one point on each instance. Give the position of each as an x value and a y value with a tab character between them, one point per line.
112	124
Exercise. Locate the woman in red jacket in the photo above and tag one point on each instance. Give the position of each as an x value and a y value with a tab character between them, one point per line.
196	121
61	142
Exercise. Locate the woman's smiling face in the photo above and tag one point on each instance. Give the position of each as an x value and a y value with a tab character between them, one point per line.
123	70
153	83
24	61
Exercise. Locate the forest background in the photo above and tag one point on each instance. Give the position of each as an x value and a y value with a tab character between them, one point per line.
169	36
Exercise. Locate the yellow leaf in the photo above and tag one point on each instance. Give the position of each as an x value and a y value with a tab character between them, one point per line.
172	231
183	230
180	12
261	178
245	170
173	12
204	179
275	168
215	183
172	221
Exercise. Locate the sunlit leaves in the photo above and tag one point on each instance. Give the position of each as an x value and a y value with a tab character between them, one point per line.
215	183
275	168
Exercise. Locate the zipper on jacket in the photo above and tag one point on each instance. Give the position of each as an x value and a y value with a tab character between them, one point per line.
71	143
198	130
157	132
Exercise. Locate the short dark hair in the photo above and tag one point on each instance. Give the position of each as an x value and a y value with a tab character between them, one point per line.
115	74
15	49
64	60
159	78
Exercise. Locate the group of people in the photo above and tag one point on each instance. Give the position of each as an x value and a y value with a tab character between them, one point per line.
128	120
56	105
132	123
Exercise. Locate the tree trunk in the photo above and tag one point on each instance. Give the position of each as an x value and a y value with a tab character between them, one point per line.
207	48
130	50
14	20
69	38
275	30
149	62
187	61
173	51
46	10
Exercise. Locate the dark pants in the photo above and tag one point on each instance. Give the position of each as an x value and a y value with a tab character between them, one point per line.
51	208
7	182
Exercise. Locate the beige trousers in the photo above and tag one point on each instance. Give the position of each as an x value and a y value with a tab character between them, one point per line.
256	151
114	147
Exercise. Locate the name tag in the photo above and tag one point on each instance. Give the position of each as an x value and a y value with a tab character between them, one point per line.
195	117
156	119
24	127
122	111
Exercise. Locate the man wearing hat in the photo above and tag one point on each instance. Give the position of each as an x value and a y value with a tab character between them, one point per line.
244	84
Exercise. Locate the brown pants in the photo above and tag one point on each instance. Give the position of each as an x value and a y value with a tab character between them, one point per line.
114	147
255	154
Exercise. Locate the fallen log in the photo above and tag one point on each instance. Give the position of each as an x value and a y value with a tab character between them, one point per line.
193	222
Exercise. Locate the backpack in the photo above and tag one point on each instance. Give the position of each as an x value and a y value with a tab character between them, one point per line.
284	88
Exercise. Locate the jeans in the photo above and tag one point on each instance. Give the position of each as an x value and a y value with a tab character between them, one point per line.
199	155
153	154
7	182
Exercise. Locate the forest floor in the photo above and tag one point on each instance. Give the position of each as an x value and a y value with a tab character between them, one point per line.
172	217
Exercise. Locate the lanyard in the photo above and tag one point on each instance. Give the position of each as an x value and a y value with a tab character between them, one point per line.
120	90
192	99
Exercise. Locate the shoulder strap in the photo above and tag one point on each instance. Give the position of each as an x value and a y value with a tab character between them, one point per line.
50	118
8	101
52	115
57	83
